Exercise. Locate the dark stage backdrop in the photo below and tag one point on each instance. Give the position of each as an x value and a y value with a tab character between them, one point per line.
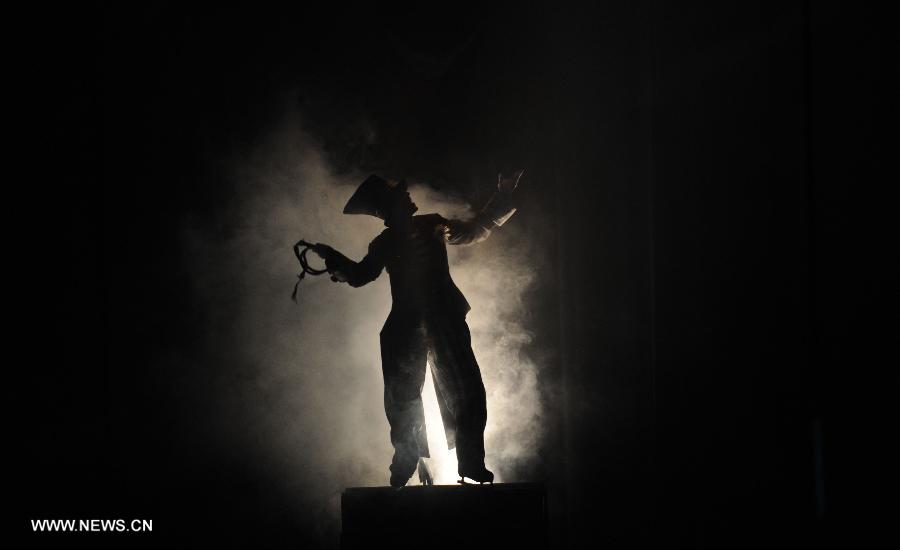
703	227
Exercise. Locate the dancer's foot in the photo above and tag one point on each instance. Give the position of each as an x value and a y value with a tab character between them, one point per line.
401	471
398	481
481	475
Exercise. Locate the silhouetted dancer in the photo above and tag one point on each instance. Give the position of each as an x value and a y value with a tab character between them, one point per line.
427	321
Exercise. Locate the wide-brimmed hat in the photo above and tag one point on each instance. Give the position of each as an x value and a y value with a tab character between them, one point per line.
373	196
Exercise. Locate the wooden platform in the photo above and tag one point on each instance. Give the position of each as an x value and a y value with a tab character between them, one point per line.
505	515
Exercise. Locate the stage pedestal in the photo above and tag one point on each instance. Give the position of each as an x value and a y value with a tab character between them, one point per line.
465	517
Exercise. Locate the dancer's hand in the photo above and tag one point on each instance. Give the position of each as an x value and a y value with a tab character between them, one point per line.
323	251
508	184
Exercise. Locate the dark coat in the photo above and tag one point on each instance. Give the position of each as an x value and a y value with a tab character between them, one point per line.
415	256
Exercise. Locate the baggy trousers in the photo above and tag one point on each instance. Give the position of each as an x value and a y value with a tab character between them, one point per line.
408	342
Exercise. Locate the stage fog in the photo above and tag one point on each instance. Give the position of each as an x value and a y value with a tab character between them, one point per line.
298	386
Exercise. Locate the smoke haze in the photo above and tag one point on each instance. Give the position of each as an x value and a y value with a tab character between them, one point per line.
298	387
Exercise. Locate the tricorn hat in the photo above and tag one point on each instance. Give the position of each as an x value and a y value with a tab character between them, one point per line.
373	196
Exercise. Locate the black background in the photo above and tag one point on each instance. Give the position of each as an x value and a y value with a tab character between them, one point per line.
714	181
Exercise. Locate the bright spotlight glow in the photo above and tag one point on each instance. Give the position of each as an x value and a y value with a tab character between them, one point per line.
443	461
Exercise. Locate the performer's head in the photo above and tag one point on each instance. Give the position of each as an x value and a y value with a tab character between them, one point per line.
400	205
385	199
